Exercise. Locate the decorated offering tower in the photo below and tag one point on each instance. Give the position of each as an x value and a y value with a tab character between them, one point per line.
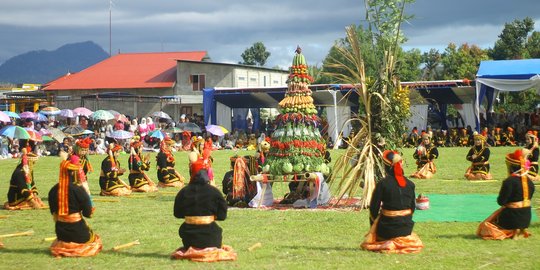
297	146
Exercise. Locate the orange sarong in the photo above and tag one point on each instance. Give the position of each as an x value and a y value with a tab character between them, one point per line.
70	249
210	254
398	245
488	230
426	172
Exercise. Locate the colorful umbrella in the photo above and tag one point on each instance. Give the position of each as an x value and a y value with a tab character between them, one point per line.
158	134
161	114
121	135
216	130
174	130
11	114
15	132
121	117
82	111
115	113
67	113
47	138
50	111
102	115
74	130
4	118
188	126
34	136
27	114
41	117
57	134
44	132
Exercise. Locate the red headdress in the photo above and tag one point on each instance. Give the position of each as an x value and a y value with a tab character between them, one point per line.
84	143
392	159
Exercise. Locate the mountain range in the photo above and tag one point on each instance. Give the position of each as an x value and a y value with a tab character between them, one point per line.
43	66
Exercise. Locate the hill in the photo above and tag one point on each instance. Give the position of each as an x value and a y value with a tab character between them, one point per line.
43	66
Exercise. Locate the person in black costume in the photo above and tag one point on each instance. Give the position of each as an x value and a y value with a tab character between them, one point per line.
391	209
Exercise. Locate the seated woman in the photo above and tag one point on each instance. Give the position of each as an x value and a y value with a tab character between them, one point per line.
22	193
166	173
391	210
200	204
138	179
236	185
514	216
69	202
186	140
109	181
252	142
479	157
531	144
425	153
201	154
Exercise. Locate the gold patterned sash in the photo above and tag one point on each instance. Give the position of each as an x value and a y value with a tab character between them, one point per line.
396	213
199	220
520	204
71	218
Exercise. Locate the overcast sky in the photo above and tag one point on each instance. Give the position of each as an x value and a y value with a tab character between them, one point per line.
225	28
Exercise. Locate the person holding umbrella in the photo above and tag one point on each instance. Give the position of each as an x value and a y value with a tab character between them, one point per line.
109	181
22	193
138	179
166	173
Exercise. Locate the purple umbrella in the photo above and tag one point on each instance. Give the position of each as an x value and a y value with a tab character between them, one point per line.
67	113
216	130
27	114
121	134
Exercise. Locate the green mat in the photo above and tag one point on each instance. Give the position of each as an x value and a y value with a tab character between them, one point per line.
459	207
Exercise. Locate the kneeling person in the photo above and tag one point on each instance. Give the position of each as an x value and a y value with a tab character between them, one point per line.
391	223
22	193
69	202
109	181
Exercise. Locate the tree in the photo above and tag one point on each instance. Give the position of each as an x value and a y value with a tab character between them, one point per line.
462	62
511	43
432	60
533	45
382	100
255	55
409	65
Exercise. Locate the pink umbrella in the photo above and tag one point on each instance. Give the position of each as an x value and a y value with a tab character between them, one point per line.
121	117
4	118
82	111
27	114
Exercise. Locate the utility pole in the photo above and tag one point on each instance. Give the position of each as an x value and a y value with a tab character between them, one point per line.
110	27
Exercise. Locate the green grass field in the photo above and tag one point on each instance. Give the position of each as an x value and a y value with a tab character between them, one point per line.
291	239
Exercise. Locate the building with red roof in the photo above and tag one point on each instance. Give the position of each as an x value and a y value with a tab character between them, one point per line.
138	84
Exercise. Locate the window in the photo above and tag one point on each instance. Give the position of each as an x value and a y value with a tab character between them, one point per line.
197	82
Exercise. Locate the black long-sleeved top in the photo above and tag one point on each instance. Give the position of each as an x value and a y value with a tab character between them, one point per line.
390	196
431	154
199	198
18	188
512	191
482	156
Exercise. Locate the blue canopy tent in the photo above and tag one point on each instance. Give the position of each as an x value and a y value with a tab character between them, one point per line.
504	75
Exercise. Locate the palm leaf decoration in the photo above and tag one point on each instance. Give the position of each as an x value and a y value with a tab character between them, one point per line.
359	167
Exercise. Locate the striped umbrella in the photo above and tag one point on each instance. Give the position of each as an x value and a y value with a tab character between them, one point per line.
50	111
15	132
121	135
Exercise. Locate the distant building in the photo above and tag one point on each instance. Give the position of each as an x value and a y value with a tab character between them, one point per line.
138	84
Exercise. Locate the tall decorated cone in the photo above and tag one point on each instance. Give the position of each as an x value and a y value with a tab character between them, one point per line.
296	145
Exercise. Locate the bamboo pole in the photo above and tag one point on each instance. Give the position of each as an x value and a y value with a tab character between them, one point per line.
105	200
30	232
256	245
127	245
49	239
3	216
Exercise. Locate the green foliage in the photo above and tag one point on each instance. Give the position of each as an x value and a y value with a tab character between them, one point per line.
255	55
432	60
408	65
512	40
533	45
462	62
522	101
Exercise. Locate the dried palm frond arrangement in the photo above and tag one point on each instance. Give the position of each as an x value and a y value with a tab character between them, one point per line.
360	165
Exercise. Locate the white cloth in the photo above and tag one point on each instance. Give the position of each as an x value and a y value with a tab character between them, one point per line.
267	198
